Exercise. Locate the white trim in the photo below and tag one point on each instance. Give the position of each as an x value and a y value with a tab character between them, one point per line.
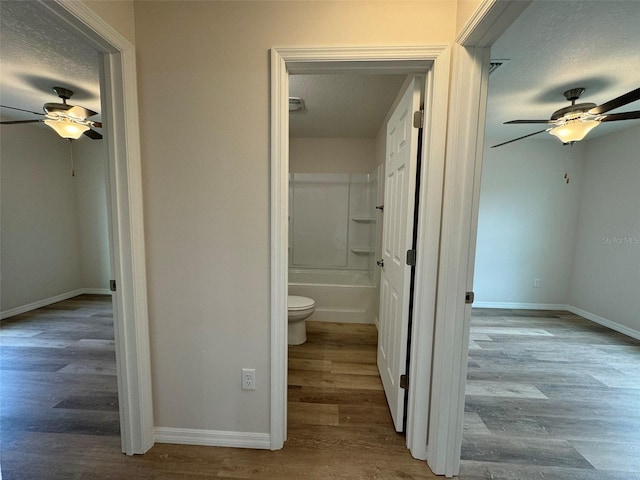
12	312
464	145
212	438
605	322
96	291
465	136
436	60
490	19
427	246
521	306
120	113
279	246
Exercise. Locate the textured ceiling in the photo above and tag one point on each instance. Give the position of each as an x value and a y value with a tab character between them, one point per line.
342	105
553	46
557	45
39	52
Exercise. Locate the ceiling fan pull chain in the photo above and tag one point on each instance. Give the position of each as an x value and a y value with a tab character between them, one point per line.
73	170
567	161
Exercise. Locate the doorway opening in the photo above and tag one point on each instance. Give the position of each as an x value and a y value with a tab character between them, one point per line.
119	106
536	279
337	154
430	61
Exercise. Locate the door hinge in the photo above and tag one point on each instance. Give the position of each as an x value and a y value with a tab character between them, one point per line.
468	297
404	381
411	257
418	119
112	285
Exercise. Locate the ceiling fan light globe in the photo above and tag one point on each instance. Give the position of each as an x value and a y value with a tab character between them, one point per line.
66	128
574	131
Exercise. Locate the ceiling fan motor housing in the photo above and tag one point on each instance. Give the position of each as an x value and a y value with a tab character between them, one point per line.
573	94
64	93
572	111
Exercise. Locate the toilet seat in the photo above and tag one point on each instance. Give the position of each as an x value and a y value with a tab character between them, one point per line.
296	303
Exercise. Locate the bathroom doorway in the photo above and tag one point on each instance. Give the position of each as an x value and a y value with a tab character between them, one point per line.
337	128
428	62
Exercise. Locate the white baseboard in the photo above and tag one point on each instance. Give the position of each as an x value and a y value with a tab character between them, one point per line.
605	322
51	300
95	291
212	438
521	306
569	308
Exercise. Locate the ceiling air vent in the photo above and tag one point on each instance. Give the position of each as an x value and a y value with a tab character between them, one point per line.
496	63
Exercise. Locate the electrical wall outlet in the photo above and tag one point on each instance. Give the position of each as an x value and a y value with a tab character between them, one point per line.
536	283
248	379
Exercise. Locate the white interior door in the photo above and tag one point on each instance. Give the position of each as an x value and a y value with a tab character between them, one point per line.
399	205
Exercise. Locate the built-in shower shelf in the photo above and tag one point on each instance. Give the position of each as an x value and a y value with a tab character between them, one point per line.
361	251
363	219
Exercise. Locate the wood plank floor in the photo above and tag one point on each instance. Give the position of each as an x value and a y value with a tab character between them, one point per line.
549	396
59	411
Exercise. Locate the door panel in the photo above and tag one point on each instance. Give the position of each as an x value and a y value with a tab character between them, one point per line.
400	171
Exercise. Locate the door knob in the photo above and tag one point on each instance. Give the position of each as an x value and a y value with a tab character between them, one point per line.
380	262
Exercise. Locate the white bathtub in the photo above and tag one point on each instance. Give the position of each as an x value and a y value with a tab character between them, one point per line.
341	296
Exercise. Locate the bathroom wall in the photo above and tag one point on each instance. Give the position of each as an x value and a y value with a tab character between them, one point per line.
331	155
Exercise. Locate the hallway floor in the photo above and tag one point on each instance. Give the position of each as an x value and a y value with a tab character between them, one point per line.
550	396
59	408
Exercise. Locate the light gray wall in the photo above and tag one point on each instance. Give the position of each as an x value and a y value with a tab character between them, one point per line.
91	204
582	239
606	276
40	241
527	222
53	234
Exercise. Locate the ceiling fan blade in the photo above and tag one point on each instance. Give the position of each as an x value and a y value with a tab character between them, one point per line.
22	110
96	124
14	122
525	121
92	134
519	138
632	96
621	116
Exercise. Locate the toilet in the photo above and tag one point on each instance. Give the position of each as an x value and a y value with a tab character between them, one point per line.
298	309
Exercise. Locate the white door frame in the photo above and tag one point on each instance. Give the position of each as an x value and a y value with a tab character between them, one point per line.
465	142
120	122
402	59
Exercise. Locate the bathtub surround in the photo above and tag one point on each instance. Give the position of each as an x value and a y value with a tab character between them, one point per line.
333	230
332	221
341	296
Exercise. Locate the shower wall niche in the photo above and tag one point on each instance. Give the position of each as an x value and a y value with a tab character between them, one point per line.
332	221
